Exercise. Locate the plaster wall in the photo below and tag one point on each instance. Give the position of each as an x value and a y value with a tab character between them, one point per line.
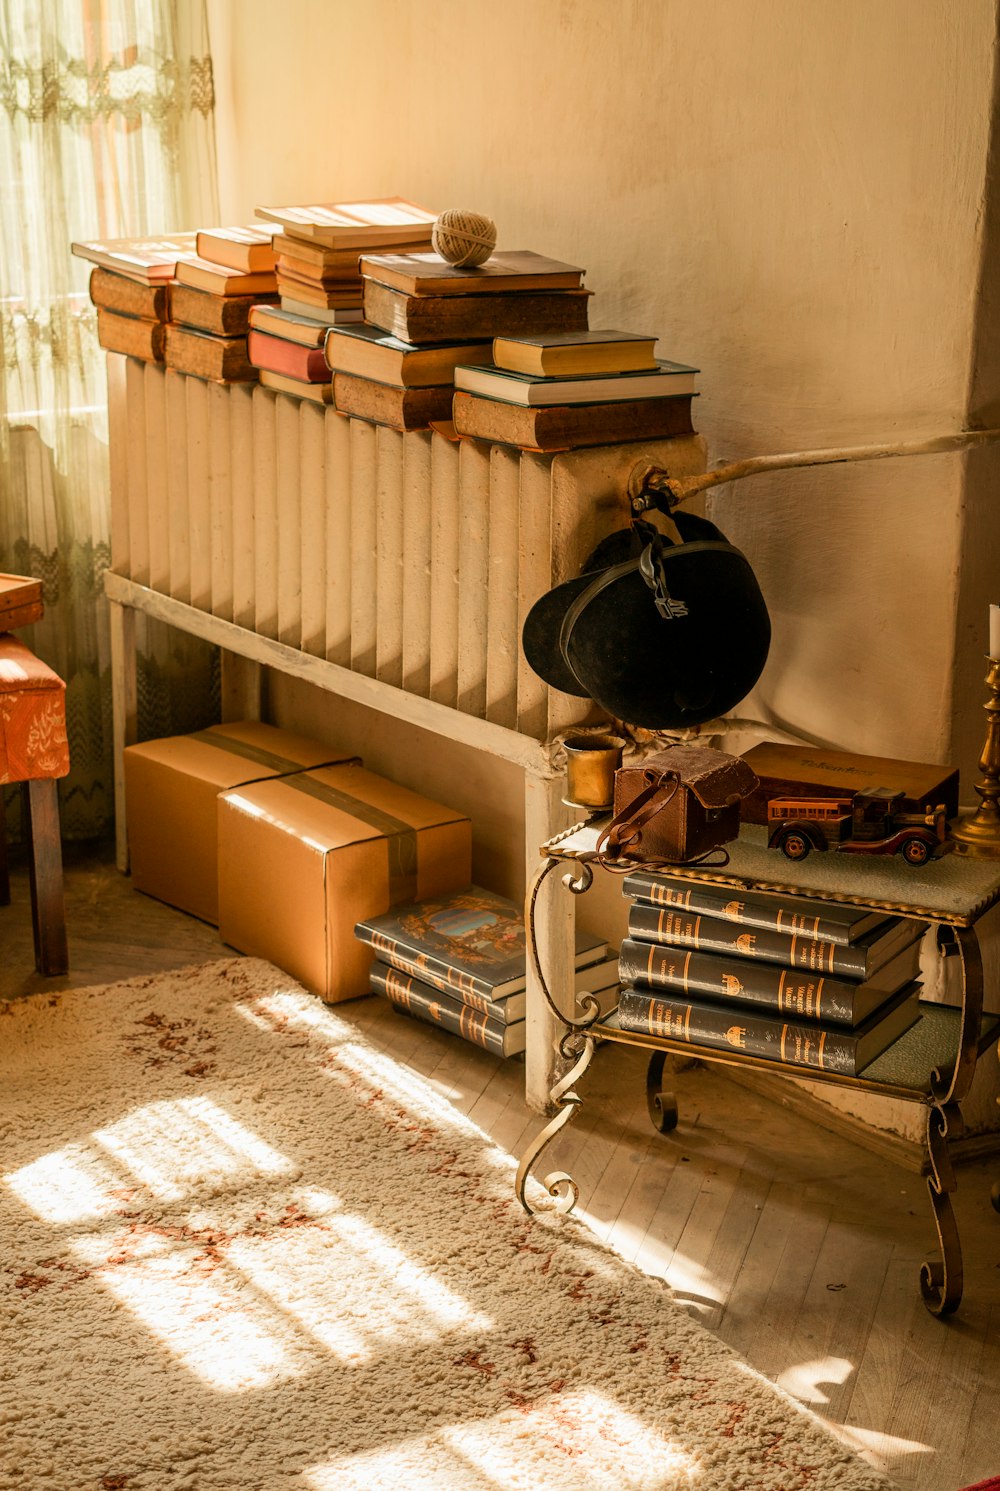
792	196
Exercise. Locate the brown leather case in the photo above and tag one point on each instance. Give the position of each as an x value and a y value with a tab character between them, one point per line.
700	802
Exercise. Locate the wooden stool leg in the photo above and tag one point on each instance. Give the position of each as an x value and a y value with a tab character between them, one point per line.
48	912
4	871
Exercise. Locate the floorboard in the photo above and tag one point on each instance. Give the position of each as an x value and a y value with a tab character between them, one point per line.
798	1247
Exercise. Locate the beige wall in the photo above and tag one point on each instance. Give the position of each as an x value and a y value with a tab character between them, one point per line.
790	193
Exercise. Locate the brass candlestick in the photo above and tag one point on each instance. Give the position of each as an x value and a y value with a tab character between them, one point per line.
978	834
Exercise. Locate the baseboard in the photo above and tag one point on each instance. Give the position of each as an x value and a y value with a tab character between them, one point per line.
911	1154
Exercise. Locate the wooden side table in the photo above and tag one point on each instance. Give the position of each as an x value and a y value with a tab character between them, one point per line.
933	1063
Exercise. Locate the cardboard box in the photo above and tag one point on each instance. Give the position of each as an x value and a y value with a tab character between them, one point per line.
171	786
303	858
810	771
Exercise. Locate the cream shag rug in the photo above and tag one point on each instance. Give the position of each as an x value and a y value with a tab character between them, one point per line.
243	1250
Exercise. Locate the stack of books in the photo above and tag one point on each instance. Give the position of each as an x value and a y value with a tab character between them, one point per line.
423	317
317	251
459	962
812	985
132	286
562	390
232	272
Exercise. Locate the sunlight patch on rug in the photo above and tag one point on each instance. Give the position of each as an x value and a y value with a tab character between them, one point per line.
246	1250
566	1436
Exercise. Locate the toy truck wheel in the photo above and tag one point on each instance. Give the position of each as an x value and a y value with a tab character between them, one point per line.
793	844
915	851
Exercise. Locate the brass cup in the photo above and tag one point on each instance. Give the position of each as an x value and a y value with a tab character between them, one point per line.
591	763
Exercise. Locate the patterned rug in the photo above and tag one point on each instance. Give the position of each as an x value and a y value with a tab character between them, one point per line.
244	1250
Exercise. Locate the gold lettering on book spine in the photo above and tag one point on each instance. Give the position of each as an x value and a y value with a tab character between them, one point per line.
472	1025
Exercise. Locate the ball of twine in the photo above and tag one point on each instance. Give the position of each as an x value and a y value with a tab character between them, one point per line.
464	238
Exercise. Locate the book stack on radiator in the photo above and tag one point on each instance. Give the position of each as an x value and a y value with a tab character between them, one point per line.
232	272
131	285
809	984
459	962
424	316
317	252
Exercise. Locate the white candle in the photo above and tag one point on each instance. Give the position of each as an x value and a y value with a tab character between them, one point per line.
994	631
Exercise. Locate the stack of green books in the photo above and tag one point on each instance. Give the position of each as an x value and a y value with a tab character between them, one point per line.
459	961
809	984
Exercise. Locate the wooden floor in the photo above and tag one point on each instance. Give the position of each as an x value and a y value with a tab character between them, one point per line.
794	1245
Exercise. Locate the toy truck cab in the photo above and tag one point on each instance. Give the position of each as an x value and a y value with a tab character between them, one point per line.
867	823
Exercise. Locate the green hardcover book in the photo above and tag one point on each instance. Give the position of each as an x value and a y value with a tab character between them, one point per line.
471	942
437	1008
821	1048
800	994
708	934
824	920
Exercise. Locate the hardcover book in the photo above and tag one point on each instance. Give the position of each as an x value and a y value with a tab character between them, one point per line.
801	994
247	249
817	1047
148	260
512	269
131	335
222	315
415	997
384	404
566	427
828	921
859	959
222	359
129	297
381	220
369	352
472	318
344	295
472	940
573	354
279	355
310	330
320	258
522	388
298	388
600	979
204	275
325	316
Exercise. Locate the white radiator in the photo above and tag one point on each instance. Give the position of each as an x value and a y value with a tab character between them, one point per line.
412	559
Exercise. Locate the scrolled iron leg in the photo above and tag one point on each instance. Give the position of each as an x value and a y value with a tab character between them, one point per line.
560	1186
662	1105
995	1196
941	1279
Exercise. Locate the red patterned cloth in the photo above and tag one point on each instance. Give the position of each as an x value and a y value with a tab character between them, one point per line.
33	743
993	1484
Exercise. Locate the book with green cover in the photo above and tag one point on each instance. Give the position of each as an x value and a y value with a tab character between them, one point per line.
716	1027
708	934
826	920
665	379
801	994
471	940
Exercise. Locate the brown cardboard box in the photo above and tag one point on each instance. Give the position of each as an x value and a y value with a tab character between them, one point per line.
303	858
811	771
170	791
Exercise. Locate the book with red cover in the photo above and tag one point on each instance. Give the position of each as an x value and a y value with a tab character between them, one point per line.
278	355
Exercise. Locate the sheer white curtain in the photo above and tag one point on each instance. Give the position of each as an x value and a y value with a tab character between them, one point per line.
106	130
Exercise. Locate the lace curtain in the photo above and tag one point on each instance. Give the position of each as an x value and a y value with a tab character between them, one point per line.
106	131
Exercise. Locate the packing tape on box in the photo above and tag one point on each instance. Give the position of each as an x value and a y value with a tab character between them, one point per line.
400	837
281	764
